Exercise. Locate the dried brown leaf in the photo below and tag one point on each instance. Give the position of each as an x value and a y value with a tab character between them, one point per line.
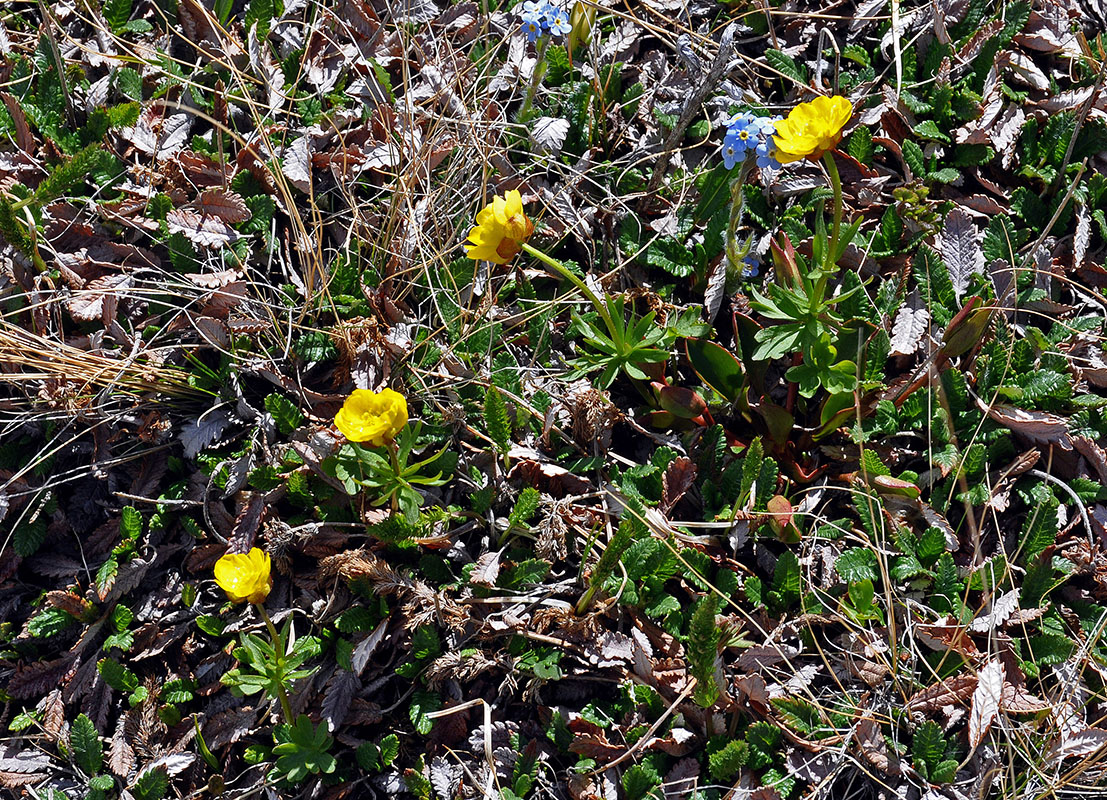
985	701
951	691
227	206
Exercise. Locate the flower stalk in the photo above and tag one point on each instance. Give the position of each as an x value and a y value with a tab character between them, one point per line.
279	649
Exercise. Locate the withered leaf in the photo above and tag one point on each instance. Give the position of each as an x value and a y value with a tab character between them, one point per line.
948	692
677	480
985	701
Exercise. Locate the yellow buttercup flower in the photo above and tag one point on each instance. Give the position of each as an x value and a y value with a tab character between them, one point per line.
374	417
501	229
244	577
811	129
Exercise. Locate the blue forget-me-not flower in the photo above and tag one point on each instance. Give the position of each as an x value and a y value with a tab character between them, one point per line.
541	18
745	134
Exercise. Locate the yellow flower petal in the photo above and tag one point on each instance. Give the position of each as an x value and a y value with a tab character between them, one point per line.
373	417
245	577
811	129
502	227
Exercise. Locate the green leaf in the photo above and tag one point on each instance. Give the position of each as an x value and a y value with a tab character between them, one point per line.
787	579
117	676
1039	531
262	12
526	573
786	65
798	714
928	129
423	703
64	178
130	523
857	564
913	157
84	742
860	145
716	366
1001	241
29	536
639	780
496	419
703	640
285	413
1050	648
116	13
724	764
526	505
303	750
151	784
390	748
928	746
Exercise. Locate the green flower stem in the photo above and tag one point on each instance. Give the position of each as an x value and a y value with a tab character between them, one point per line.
394	457
566	273
278	647
734	253
536	76
836	185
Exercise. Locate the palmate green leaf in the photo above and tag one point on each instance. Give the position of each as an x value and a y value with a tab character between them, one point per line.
84	743
303	750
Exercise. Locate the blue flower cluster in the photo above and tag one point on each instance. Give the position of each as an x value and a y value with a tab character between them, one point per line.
747	134
544	17
752	267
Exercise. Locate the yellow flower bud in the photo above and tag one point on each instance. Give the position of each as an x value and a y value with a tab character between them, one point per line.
373	417
244	577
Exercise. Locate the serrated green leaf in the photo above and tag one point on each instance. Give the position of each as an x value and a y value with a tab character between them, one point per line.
860	145
151	784
913	157
117	676
496	419
130	523
84	743
703	639
285	413
857	564
786	65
